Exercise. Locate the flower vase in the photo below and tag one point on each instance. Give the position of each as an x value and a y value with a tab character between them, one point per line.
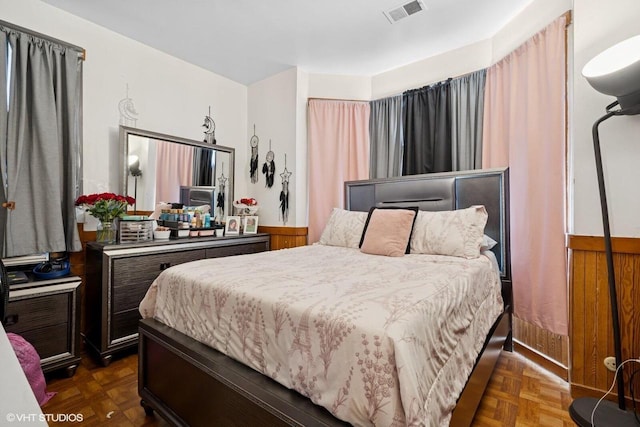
106	232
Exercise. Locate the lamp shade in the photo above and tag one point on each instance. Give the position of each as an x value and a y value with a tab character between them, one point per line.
616	72
134	166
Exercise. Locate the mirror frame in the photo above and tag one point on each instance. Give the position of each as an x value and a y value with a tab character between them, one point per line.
125	131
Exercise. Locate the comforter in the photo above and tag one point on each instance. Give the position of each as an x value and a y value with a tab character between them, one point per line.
385	341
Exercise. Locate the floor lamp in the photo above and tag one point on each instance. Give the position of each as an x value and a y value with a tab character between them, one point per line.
616	72
134	170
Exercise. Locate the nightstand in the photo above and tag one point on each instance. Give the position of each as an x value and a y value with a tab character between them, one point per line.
47	314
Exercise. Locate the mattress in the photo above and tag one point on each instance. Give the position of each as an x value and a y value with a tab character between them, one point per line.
384	341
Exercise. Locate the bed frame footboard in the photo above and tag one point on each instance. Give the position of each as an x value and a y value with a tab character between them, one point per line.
191	384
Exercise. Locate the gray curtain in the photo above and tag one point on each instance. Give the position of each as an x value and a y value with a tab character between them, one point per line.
203	163
3	137
427	130
385	137
467	111
40	140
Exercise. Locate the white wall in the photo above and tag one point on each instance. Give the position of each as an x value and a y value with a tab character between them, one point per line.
272	107
170	95
339	87
537	15
437	68
597	26
302	182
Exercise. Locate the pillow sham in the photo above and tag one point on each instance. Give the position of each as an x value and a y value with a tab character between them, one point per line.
344	228
388	231
487	243
454	233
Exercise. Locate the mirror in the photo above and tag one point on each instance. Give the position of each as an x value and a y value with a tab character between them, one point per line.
160	168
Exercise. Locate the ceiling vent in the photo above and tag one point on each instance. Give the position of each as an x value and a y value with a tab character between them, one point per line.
401	12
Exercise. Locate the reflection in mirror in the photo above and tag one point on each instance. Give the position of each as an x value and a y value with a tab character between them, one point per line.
166	169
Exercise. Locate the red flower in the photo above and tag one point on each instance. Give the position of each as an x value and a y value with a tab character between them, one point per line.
105	206
248	201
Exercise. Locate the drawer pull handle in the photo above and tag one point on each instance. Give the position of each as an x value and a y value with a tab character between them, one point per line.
165	265
11	320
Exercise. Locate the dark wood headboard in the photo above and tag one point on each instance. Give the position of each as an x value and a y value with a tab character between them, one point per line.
444	191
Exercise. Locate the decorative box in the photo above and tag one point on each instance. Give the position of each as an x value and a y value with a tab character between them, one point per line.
135	231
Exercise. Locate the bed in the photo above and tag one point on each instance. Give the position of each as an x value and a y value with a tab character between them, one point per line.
349	340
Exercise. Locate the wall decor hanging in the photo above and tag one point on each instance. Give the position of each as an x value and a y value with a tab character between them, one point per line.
222	183
128	113
284	193
209	129
269	167
253	164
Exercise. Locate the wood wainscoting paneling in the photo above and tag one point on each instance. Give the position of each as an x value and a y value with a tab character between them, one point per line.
285	237
549	350
590	326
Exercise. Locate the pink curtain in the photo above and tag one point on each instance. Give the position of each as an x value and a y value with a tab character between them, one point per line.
525	129
338	152
174	166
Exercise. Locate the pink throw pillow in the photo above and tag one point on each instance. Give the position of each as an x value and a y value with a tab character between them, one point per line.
388	232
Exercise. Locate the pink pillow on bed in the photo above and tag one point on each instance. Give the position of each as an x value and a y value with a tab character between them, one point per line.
388	231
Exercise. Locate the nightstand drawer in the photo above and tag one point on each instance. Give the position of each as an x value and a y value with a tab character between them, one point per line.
50	341
46	314
124	324
38	312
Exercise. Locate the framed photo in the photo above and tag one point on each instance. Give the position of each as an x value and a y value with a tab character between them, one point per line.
250	224
232	227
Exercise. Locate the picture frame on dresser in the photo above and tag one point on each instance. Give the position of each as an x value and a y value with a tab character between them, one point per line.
250	224
232	226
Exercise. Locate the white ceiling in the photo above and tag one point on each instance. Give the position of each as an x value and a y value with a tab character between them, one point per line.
249	40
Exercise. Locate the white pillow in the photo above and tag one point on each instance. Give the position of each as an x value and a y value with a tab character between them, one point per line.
487	243
454	233
344	228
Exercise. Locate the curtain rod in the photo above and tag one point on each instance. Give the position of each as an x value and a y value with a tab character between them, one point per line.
568	17
81	51
337	99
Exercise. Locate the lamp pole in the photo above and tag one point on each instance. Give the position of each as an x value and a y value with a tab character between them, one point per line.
589	411
135	194
613	294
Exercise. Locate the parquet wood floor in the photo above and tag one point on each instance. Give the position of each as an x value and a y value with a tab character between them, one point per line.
520	394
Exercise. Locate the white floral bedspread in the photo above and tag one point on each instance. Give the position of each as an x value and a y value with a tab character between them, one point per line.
376	340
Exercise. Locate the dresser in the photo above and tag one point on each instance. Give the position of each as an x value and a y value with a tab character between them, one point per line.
47	314
118	276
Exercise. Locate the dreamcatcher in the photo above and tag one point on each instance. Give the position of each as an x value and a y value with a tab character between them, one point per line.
253	164
284	194
209	129
269	167
222	182
128	113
